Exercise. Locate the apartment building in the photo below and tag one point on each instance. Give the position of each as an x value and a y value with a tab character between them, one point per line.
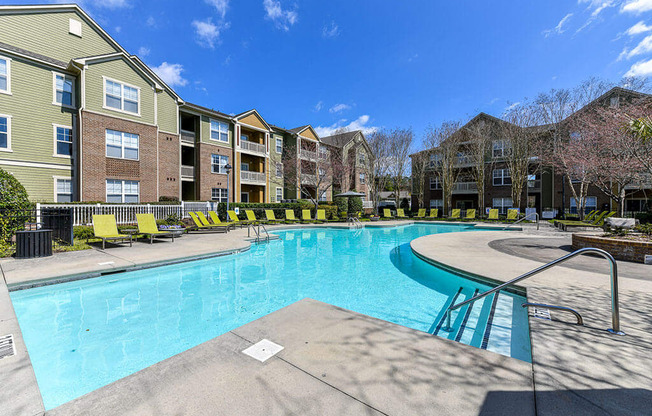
354	153
546	189
81	119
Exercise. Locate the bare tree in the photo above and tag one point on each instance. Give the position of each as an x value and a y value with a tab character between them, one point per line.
479	139
400	145
377	170
422	165
444	159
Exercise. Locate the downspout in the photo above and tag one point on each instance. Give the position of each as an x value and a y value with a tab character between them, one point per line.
78	164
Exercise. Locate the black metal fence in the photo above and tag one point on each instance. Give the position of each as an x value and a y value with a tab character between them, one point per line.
59	220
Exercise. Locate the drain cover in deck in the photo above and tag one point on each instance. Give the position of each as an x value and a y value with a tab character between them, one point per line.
263	350
7	348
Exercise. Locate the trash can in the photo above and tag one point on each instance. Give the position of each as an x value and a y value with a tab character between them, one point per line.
34	243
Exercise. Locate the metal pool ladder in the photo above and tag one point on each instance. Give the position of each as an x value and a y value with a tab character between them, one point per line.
615	312
523	219
355	222
256	228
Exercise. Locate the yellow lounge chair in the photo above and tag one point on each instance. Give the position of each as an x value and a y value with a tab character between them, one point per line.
216	220
470	214
401	214
493	214
455	214
271	218
305	216
289	216
104	227
387	214
591	215
421	213
512	214
234	219
321	215
201	223
147	227
252	217
433	214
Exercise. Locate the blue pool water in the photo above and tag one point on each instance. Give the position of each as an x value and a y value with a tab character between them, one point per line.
83	335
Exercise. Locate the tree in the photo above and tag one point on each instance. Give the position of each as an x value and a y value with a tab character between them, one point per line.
377	171
446	140
421	165
400	145
478	148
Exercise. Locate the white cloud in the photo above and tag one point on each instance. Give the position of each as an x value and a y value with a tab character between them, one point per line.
338	107
638	28
118	29
330	31
208	34
112	4
596	7
282	19
171	74
643	47
413	57
559	29
151	22
512	106
640	69
319	106
637	6
143	51
220	6
358	124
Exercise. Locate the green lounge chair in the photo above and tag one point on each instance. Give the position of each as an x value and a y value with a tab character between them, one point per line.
591	215
321	215
387	214
147	227
512	214
252	217
493	214
456	213
104	227
271	218
600	221
305	216
421	214
400	213
289	216
235	220
433	214
205	225
470	214
216	220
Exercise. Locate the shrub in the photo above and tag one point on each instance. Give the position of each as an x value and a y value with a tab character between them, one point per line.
644	217
342	204
259	209
645	229
82	232
355	204
168	199
15	209
405	204
172	219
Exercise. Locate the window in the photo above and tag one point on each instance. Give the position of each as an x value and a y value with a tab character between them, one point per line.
63	190
219	131
437	203
244	197
64	90
463	159
435	183
502	204
590	204
362	158
435	160
118	191
279	194
244	137
121	97
323	152
218	163
244	166
5	133
362	179
499	148
322	173
614	102
502	177
219	194
279	145
5	75
322	195
62	141
279	170
121	145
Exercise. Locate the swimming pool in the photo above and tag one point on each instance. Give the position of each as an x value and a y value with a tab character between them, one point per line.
85	334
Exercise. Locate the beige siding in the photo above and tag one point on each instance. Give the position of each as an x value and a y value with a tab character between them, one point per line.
206	132
253	120
47	34
118	70
32	111
38	182
309	134
167	112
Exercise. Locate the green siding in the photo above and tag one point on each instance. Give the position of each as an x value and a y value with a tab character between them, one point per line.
38	182
167	112
206	132
47	34
118	70
32	111
274	158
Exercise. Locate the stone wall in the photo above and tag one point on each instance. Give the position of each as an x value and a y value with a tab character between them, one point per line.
621	249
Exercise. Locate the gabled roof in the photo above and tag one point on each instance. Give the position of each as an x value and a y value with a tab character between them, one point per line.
254	112
341	139
32	55
207	110
299	130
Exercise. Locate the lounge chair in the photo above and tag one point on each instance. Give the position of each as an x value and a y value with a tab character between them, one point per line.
204	225
387	214
455	214
305	216
147	227
104	227
591	215
289	216
235	220
421	214
401	214
271	218
321	215
433	214
493	214
252	217
470	214
512	214
216	220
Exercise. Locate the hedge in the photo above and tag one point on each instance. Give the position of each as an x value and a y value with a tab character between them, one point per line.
259	209
355	204
15	209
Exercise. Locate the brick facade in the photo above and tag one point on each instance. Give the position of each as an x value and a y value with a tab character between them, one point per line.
621	249
96	168
206	180
168	165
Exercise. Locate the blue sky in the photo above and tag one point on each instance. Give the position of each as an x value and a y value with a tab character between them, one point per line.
372	63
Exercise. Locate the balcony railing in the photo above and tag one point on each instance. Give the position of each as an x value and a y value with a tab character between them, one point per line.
307	154
367	204
309	179
252	147
534	185
187	172
465	188
324	155
252	177
187	137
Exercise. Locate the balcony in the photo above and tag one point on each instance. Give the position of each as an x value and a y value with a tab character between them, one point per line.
534	185
324	155
187	173
253	178
308	155
308	179
252	147
465	188
187	137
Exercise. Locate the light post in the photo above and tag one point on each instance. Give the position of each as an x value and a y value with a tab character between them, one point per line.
227	168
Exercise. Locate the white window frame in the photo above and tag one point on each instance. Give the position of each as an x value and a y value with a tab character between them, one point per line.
54	89
278	188
279	139
8	90
56	187
8	148
362	179
122	96
219	131
122	145
72	138
502	177
242	199
437	203
435	183
502	207
501	148
277	173
573	203
220	166
220	198
122	189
